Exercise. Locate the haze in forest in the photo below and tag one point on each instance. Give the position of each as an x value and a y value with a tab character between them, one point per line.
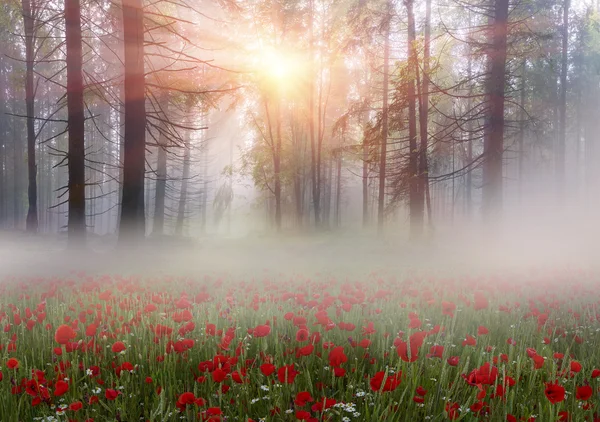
298	136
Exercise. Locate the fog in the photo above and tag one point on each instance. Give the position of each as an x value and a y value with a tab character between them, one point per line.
539	241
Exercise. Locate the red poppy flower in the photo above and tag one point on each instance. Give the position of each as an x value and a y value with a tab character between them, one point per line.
64	334
118	347
302	398
390	384
563	416
218	375
469	341
302	335
339	372
306	350
575	366
484	375
60	388
302	415
75	406
267	369
262	330
584	392
90	330
452	409
555	393
323	404
453	360
448	308
337	356
111	394
287	374
186	398
538	361
436	351
12	363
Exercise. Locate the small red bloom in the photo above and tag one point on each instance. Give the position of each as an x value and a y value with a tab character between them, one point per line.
555	393
262	331
60	388
584	393
390	384
267	369
75	406
64	334
118	347
287	374
453	360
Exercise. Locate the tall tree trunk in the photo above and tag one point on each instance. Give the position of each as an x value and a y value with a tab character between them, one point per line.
31	224
297	142
311	123
275	144
158	225
132	226
365	177
494	141
338	190
562	106
76	122
204	184
3	148
423	101
415	198
384	121
521	136
424	114
328	192
17	171
184	187
277	166
470	128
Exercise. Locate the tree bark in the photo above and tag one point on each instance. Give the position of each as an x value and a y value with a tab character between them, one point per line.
424	115
311	123
521	137
132	225
31	224
158	225
338	190
365	175
562	106
384	122
277	166
416	198
3	149
184	187
494	141
76	124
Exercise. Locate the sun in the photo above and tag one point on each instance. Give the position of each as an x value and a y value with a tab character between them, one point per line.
277	67
276	64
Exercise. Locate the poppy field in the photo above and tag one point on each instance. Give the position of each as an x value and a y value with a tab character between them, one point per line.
274	347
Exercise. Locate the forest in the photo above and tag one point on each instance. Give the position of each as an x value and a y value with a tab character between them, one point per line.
137	118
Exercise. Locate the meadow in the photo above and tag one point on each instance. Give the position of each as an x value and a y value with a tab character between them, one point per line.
276	347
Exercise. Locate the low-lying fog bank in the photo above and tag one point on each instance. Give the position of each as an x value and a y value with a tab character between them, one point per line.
463	251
